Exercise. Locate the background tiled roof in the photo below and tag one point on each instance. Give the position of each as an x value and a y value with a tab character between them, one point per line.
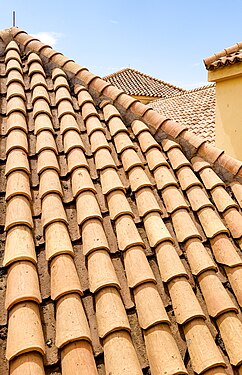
134	82
195	109
227	56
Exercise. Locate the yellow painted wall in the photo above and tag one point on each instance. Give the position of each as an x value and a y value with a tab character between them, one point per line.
228	120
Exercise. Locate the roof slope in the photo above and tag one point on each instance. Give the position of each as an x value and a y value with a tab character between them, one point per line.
121	246
227	56
133	82
194	109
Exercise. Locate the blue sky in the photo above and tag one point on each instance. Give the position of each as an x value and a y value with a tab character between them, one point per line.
166	39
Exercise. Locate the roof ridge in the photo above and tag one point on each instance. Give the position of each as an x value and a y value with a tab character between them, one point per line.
208	61
144	75
187	92
158	124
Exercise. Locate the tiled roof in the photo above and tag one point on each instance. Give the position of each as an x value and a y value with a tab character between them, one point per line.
194	109
121	230
133	82
227	56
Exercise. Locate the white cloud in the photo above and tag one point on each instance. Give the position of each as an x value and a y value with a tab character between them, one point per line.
48	37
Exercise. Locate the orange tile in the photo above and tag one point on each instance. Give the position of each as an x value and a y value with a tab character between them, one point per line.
12	55
76	159
93	236
15	76
24	318
198	258
60	81
16	120
32	362
138	127
164	178
234	275
57	72
169	262
68	122
199	164
198	198
116	126
71	321
185	304
163	353
63	276
138	179
81	181
110	181
45	141
177	158
130	159
118	204
126	362
110	312
149	305
52	210
49	183
17	139
15	104
18	212
173	199
65	107
19	246
101	272
167	145
78	356
203	351
13	65
147	141
88	110
122	142
15	89
87	207
103	159
137	267
17	160
230	328
127	233
22	284
222	199
35	67
47	159
187	178
18	184
57	240
236	188
62	93
146	202
93	124
37	79
72	140
40	92
184	226
33	57
210	178
217	299
41	106
42	122
84	97
155	158
156	230
224	251
211	222
98	141
233	221
110	112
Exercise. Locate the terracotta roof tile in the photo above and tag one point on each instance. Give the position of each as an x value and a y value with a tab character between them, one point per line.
140	84
228	56
143	245
194	109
